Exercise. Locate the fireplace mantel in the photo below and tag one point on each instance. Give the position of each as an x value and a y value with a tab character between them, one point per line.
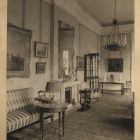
75	85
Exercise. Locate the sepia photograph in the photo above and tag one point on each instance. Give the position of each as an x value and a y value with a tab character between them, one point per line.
69	70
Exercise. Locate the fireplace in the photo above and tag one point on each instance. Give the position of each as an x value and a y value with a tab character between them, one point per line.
68	95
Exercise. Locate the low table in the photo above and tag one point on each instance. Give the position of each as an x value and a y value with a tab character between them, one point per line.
52	108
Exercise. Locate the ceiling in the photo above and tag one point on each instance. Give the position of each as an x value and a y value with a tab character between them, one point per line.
103	10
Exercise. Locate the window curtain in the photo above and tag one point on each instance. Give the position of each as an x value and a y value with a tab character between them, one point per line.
61	61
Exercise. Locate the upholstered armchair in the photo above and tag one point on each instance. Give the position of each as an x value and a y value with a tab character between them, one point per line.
87	95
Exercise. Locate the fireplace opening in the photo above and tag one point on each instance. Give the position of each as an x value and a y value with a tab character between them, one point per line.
68	95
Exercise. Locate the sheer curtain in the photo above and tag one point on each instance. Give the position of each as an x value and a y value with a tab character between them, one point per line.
65	62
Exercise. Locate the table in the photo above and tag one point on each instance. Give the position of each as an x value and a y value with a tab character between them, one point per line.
51	108
111	86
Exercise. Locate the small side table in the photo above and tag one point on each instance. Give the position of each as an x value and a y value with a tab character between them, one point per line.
52	108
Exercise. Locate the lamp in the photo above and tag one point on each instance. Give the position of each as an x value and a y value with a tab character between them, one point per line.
116	40
54	87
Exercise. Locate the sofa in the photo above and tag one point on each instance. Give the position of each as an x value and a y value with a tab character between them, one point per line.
21	110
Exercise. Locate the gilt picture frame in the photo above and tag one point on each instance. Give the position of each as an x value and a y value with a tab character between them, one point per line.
115	65
18	51
41	49
40	67
80	63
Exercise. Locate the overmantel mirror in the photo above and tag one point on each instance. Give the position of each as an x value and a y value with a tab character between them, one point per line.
66	51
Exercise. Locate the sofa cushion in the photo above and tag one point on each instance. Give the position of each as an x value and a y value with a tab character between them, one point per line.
19	99
21	118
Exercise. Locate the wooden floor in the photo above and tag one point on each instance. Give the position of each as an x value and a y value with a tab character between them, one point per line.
108	119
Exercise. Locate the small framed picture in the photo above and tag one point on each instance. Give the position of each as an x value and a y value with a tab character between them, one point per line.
41	49
80	63
40	67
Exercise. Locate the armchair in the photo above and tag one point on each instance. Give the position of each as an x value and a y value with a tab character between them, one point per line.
87	95
127	87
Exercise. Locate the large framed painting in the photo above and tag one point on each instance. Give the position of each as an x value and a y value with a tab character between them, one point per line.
18	51
115	65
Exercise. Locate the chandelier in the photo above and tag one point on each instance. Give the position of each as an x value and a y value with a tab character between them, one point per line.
115	40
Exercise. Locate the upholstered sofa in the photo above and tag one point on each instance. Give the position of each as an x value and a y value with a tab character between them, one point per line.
21	109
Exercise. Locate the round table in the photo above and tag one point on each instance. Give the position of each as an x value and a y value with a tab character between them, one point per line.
52	108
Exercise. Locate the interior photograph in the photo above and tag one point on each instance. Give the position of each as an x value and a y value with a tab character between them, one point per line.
69	67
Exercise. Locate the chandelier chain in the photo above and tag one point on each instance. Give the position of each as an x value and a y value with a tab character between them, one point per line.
115	10
116	40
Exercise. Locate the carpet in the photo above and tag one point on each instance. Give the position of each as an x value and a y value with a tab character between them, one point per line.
107	119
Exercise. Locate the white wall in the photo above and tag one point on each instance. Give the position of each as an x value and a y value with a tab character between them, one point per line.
125	53
85	40
59	14
88	43
30	16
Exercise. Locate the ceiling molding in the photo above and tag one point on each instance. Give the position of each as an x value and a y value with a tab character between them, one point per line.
129	28
71	7
119	23
49	1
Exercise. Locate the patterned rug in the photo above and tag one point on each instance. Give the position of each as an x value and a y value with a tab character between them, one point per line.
108	119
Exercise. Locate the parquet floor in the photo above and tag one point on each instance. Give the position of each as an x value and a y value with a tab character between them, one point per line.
108	119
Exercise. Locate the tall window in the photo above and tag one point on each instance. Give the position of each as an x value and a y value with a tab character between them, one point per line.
65	54
65	62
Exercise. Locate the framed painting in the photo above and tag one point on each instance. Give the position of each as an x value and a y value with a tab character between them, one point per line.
40	67
18	51
115	65
41	49
80	63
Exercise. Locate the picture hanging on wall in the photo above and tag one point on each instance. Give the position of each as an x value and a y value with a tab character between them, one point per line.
80	63
18	51
41	49
115	65
40	67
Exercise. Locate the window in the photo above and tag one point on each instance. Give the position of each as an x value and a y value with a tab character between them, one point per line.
65	62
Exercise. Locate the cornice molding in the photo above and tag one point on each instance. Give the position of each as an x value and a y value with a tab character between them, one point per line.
49	1
71	7
128	28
